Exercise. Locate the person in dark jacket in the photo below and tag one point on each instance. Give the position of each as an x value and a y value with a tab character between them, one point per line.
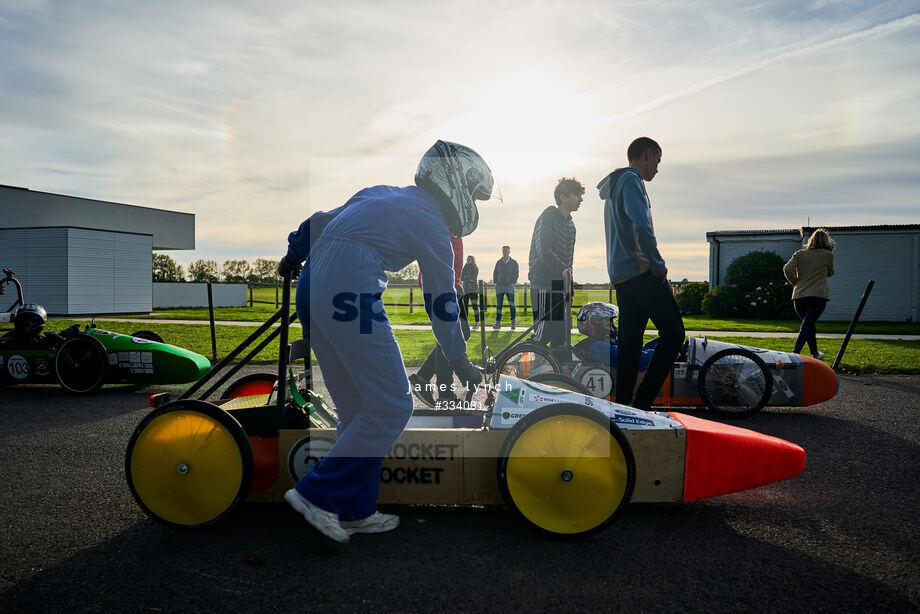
469	277
552	249
504	277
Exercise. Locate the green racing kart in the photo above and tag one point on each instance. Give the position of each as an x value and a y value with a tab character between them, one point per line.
82	361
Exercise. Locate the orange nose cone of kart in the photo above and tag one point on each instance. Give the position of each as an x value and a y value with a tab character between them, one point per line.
819	382
721	459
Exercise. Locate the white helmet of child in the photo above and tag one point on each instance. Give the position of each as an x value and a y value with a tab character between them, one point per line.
457	177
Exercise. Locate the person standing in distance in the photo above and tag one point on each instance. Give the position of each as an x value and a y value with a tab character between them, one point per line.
504	277
638	273
807	271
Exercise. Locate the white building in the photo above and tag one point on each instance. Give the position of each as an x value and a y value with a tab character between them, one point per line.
77	256
890	255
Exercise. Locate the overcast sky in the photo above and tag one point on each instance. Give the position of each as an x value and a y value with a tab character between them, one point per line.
252	115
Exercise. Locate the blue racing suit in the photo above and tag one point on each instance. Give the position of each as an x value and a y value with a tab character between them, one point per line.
347	252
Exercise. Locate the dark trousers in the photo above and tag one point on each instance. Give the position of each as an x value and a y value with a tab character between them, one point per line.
436	363
640	299
471	299
809	309
550	305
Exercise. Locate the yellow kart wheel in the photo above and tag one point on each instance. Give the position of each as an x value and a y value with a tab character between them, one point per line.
189	464
566	469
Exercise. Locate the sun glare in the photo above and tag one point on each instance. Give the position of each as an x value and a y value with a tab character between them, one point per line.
527	126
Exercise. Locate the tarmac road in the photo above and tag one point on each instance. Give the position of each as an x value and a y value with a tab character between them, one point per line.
843	536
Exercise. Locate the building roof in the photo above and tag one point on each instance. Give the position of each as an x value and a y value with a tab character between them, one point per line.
807	230
24	208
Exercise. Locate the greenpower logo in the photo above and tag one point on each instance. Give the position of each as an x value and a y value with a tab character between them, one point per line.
514	394
506	415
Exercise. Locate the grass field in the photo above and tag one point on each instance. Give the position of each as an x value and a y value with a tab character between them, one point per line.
397	300
862	355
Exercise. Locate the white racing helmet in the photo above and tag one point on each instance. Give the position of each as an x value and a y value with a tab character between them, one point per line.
29	320
457	177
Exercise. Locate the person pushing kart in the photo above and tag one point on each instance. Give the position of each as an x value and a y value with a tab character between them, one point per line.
381	228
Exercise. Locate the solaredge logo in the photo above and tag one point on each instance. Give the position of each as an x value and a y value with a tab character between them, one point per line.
367	307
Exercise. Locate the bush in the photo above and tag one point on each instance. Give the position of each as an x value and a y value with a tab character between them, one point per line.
771	301
727	302
690	298
755	269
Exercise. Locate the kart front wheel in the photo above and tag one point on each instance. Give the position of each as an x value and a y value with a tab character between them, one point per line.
526	360
189	464
80	364
251	385
566	469
735	383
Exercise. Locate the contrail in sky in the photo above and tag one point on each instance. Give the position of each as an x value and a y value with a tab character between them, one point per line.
881	29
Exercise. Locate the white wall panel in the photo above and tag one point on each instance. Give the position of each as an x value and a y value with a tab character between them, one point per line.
12	256
132	277
46	268
91	267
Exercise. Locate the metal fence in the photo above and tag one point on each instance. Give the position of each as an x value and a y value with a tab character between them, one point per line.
416	299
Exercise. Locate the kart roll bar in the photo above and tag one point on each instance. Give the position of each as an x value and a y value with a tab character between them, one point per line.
10	279
566	299
286	319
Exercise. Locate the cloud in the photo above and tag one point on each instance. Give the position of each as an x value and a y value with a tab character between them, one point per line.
253	117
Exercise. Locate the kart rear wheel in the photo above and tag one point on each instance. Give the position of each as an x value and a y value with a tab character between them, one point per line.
560	380
526	360
149	335
80	364
251	385
567	470
735	383
189	464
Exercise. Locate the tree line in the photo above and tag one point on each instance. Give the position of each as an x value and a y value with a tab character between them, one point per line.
262	271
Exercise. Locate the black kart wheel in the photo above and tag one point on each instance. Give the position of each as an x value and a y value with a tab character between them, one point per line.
80	364
566	469
735	383
149	335
189	464
527	360
251	385
560	380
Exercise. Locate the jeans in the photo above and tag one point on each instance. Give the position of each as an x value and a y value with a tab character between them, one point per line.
550	306
640	299
500	293
809	309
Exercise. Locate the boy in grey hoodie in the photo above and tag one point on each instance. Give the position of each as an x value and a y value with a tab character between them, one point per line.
639	275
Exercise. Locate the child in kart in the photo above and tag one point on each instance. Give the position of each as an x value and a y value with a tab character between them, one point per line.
338	303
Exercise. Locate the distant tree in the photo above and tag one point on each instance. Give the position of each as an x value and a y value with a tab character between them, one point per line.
166	269
408	274
236	271
203	271
264	271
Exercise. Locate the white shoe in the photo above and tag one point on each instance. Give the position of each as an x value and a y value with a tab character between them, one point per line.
375	523
326	523
819	356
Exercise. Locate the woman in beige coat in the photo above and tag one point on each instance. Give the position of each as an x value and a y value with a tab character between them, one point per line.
807	271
